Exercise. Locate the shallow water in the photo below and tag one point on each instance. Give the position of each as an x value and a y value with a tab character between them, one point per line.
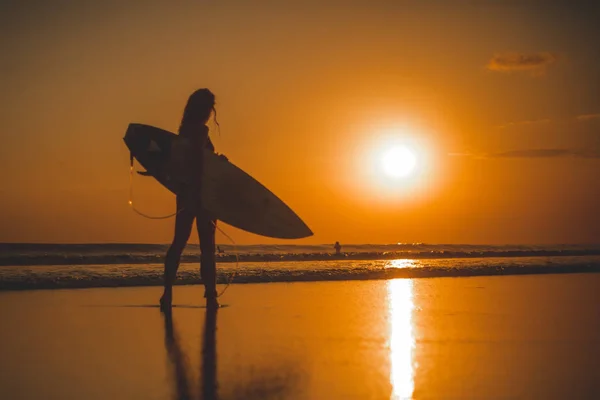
468	338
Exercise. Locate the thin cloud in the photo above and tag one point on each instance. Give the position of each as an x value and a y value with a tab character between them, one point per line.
535	63
535	154
587	117
576	118
527	122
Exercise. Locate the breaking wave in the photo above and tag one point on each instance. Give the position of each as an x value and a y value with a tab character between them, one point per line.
112	275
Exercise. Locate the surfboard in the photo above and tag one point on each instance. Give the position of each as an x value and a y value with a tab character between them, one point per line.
228	193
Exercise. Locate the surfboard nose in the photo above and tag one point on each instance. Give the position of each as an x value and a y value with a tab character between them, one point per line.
307	233
302	230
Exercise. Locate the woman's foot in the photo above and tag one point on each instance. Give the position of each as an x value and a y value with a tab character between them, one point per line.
166	299
212	302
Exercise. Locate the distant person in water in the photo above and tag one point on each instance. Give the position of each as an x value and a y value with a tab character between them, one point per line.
338	248
200	106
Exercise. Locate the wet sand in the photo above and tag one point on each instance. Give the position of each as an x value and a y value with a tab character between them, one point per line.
439	338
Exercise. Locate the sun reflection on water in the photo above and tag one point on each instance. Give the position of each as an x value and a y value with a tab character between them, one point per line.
402	341
401	263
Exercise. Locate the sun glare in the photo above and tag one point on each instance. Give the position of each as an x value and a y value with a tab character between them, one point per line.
398	162
394	164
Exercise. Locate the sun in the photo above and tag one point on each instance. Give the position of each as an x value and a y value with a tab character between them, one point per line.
398	162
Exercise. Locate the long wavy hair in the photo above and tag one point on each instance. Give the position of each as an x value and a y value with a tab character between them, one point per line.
199	107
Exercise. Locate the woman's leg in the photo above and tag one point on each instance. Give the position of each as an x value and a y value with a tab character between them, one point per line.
183	227
208	266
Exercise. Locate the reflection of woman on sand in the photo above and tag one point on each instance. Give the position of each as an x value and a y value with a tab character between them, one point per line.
200	106
177	358
277	382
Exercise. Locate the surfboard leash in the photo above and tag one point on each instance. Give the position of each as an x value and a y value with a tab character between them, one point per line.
237	259
131	196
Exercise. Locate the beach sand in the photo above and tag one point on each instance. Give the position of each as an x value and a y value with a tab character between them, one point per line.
439	338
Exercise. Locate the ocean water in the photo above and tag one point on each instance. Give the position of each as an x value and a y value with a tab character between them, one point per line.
47	266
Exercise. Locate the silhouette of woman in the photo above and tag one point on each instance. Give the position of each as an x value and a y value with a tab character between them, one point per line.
193	129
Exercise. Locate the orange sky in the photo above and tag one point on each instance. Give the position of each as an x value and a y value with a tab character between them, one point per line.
501	98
